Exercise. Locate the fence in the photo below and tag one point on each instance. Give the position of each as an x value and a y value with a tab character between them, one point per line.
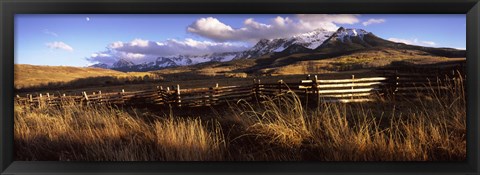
353	89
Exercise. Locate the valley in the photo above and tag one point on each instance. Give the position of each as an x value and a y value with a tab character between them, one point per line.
344	95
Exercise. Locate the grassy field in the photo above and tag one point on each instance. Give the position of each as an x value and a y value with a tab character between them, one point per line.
279	128
30	76
74	80
359	60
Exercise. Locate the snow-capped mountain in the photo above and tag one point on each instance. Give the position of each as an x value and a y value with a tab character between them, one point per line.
295	44
317	41
123	63
168	61
343	34
353	39
185	60
310	40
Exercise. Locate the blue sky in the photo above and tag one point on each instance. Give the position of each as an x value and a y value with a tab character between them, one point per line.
82	40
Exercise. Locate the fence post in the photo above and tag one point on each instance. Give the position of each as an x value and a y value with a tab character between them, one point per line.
18	99
306	91
280	83
47	101
122	95
40	104
259	89
453	77
353	84
210	96
395	85
85	96
30	98
215	92
315	88
254	90
168	96
179	99
100	97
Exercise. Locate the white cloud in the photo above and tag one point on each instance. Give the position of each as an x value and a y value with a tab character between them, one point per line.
329	18
48	32
414	41
139	43
140	51
59	45
373	21
278	27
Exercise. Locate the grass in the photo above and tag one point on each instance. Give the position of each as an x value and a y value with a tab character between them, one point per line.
429	128
31	76
373	58
102	133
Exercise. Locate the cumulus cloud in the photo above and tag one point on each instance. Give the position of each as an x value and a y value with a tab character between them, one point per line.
59	45
140	50
373	21
278	27
414	41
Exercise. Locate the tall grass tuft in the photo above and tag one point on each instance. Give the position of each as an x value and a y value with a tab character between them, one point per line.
432	127
103	133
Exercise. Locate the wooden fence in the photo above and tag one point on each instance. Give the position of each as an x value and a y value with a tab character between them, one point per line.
312	88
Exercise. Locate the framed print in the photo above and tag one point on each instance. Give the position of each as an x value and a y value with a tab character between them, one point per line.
223	87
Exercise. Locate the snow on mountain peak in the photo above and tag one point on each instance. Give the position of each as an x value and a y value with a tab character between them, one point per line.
342	33
123	63
297	43
312	39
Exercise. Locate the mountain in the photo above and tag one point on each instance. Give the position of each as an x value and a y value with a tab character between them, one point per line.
348	47
314	45
350	40
100	65
169	61
294	44
123	63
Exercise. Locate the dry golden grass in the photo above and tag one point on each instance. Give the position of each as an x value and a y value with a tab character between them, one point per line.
26	76
209	68
433	128
101	133
280	128
360	60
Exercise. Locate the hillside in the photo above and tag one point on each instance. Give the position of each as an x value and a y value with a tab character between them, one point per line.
313	52
362	59
26	76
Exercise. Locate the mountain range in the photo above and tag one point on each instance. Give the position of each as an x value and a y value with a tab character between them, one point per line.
334	43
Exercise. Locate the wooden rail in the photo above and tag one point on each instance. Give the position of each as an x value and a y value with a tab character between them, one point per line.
320	90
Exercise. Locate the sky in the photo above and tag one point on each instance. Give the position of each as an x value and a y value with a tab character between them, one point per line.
84	39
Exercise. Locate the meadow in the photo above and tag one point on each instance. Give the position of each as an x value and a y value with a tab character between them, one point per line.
278	128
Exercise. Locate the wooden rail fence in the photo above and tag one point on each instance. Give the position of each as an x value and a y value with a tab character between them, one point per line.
312	88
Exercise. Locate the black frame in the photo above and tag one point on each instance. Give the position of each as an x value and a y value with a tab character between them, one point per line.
10	7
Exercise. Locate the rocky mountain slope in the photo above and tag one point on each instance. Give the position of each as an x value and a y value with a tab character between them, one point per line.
319	42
